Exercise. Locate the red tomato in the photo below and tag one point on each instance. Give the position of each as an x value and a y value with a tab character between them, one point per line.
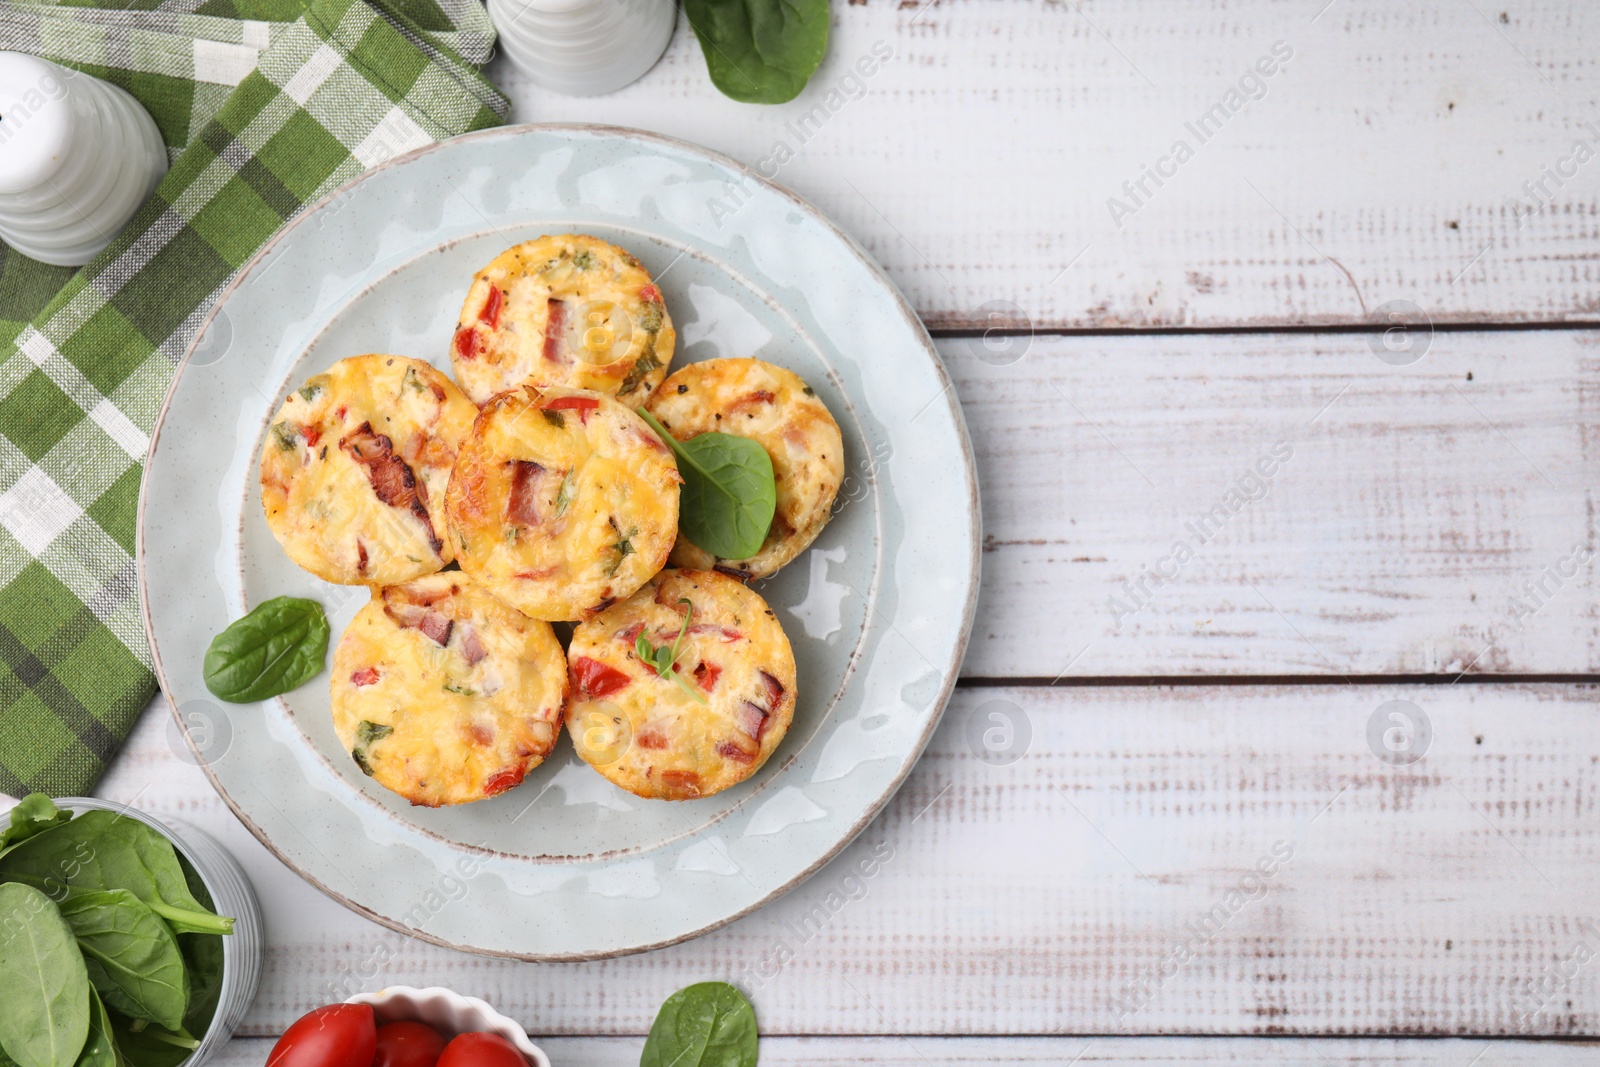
408	1044
591	678
481	1050
340	1035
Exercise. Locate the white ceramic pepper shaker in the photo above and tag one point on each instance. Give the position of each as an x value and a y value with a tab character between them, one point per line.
584	47
77	158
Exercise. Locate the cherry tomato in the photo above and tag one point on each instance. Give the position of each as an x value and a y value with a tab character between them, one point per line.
340	1035
408	1044
481	1050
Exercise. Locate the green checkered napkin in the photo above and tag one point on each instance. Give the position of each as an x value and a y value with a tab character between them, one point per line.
265	105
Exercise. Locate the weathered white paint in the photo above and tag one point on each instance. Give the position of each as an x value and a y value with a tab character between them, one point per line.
923	1051
1046	896
1414	505
977	163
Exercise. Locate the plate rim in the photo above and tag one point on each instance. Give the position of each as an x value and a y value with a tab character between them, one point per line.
974	574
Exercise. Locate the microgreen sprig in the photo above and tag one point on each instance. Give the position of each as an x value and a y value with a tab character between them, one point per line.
662	658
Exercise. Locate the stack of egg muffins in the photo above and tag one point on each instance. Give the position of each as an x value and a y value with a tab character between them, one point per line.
528	491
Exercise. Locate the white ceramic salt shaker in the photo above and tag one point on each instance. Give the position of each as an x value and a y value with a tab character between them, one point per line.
77	158
584	47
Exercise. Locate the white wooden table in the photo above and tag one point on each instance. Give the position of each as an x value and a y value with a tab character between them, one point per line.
1099	899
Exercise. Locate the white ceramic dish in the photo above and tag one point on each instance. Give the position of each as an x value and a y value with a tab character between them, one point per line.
567	866
450	1013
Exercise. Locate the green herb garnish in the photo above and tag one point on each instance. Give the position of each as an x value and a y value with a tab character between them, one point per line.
662	658
284	436
553	418
646	363
729	492
278	646
367	734
583	260
564	495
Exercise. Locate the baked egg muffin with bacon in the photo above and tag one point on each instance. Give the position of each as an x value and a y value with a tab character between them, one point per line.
772	405
562	501
682	690
567	310
354	469
444	694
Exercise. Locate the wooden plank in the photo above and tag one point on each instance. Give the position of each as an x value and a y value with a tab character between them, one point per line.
1060	1051
1383	161
1406	507
1230	860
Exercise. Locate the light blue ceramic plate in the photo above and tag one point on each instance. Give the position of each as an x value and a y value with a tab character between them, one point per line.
567	866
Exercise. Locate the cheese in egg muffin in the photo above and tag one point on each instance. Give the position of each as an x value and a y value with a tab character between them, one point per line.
444	694
568	310
772	405
562	501
354	469
715	721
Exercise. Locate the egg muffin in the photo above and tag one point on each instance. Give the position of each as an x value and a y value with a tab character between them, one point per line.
774	406
354	469
562	501
444	694
568	310
720	715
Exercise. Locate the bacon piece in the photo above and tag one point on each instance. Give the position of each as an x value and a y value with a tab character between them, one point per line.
752	719
481	735
467	343
500	781
651	739
730	750
707	674
631	634
650	294
436	627
491	308
361	557
537	576
471	648
393	481
593	679
727	635
732	572
368	676
649	438
526	479
687	782
760	396
555	332
774	690
583	405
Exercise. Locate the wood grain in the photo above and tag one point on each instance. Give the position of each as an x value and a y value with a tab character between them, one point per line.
1381	162
1060	1051
1056	894
1396	537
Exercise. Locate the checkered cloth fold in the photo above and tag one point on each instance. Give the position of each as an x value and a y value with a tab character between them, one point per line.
265	105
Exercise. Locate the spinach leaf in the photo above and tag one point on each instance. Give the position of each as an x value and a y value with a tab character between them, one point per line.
99	1048
709	1024
108	850
278	646
729	493
144	1044
202	954
132	956
43	985
36	814
760	51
